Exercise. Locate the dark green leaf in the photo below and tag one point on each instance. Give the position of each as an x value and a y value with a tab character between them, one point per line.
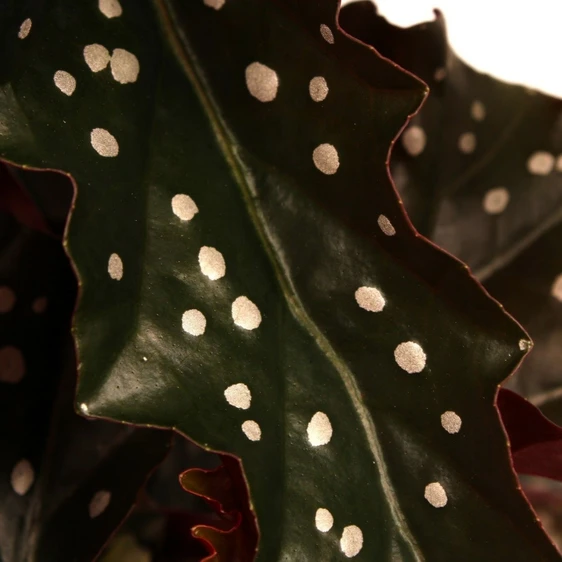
298	241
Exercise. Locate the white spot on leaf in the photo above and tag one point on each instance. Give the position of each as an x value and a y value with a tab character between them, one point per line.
194	322
84	408
115	267
99	503
96	56
216	4
12	365
25	28
386	226
319	429
318	88
239	396
104	143
556	289
478	110
39	305
110	8
22	477
262	82
245	313
451	422
326	159
7	299
212	263
495	201
125	66
467	143
435	494
410	357
440	74
540	163
369	299
351	541
65	82
413	140
327	34
324	520
251	430
184	207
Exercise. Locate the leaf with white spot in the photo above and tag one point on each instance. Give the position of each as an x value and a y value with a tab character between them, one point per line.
345	403
54	461
473	136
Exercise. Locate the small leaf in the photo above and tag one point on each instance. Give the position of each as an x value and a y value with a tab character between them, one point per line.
234	537
536	443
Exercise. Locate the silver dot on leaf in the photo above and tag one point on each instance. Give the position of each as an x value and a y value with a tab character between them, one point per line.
327	34
467	143
435	494
319	430
496	200
478	110
12	365
556	288
370	298
386	226
98	504
440	74
451	422
110	8
251	430
97	57
125	66
410	357
115	267
262	82
211	263
215	4
104	143
194	322
25	28
540	163
39	305
326	159
318	88
7	299
22	477
65	82
245	313
84	408
414	140
239	396
323	520
184	207
351	541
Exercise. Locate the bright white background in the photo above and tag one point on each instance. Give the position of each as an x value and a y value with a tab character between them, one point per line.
513	40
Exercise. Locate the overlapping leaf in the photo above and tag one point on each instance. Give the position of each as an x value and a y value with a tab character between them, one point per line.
497	207
300	231
65	482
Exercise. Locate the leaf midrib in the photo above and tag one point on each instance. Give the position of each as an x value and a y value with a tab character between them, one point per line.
188	61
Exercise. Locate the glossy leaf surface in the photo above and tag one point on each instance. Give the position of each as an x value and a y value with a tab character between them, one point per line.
54	464
346	403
